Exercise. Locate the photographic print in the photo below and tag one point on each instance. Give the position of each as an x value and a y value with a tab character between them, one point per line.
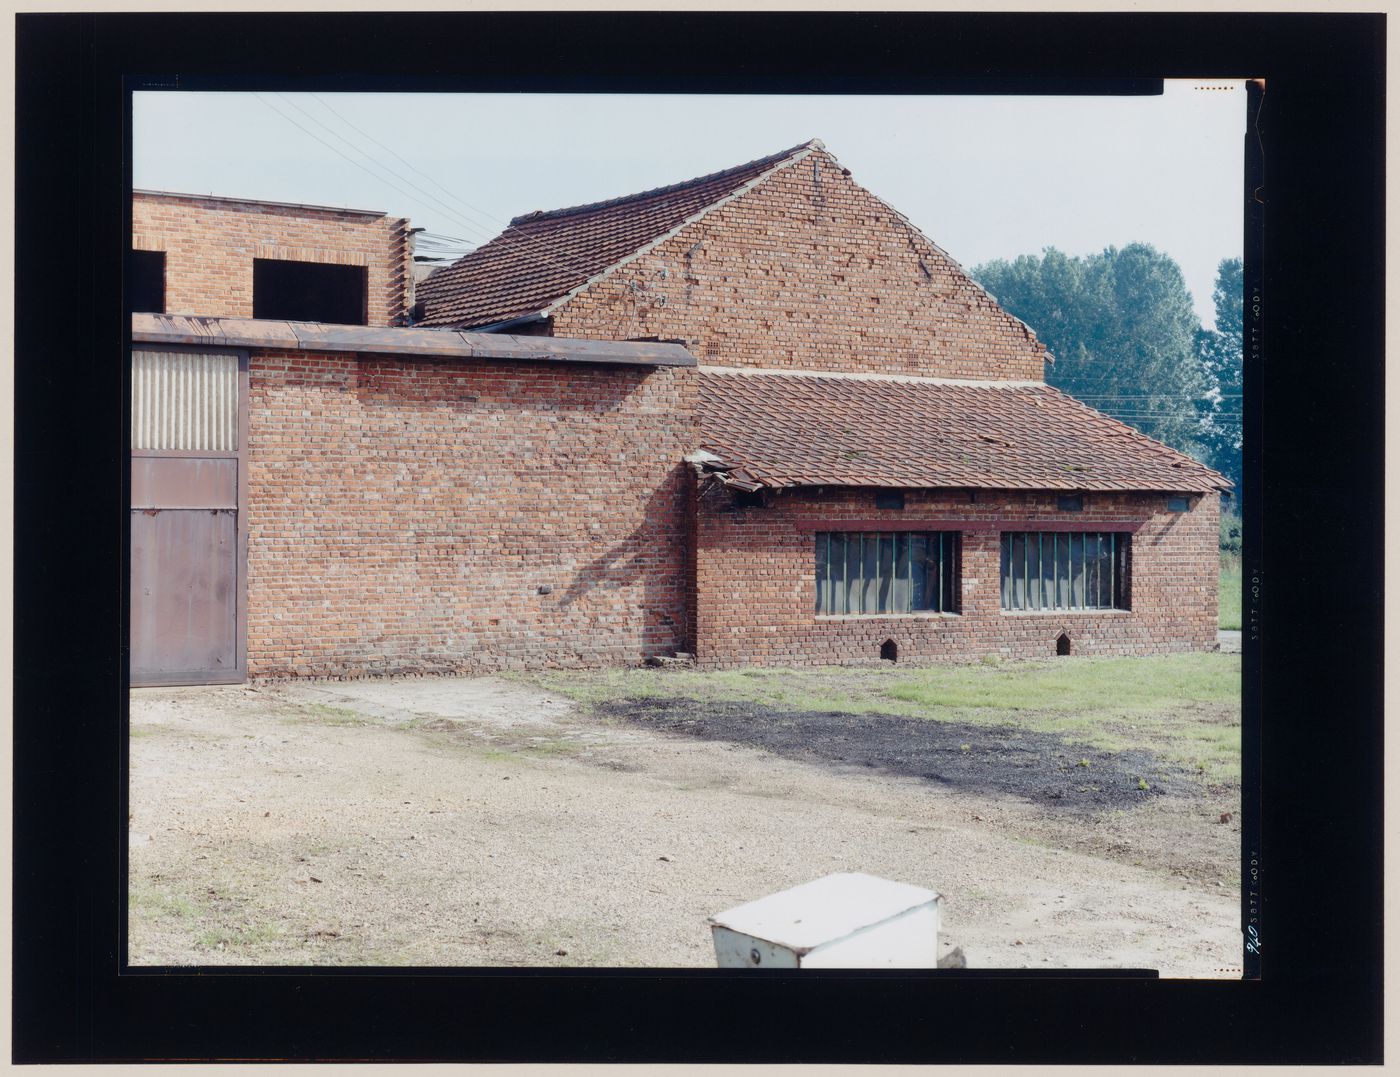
584	530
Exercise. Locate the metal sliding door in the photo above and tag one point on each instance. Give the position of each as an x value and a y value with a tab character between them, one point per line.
188	537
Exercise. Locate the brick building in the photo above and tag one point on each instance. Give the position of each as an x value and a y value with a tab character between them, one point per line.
248	259
757	417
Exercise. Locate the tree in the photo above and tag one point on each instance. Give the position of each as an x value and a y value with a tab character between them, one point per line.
1123	332
1222	359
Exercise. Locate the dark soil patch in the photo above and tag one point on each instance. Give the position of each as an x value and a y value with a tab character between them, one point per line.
1039	767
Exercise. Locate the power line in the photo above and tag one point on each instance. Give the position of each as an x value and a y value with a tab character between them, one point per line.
506	225
450	194
1150	398
539	259
440	205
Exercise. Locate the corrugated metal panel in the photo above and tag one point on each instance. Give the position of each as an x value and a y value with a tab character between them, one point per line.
184	400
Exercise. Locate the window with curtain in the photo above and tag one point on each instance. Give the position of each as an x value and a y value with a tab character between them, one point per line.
1064	570
887	572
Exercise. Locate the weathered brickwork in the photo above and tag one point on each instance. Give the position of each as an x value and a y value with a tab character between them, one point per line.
808	271
423	516
404	515
756	576
210	244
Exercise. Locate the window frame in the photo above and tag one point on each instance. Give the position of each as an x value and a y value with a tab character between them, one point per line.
145	278
302	290
893	560
1063	580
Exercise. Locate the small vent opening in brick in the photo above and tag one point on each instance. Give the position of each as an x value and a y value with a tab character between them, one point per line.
1062	644
889	651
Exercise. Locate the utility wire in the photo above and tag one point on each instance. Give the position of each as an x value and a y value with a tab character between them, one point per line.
503	224
450	194
539	259
437	202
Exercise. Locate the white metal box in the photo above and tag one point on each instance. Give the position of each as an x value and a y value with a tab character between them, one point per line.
845	921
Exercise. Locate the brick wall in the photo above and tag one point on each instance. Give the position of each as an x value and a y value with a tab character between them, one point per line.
403	515
210	244
809	271
756	577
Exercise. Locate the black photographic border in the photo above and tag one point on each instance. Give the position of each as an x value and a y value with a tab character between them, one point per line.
1312	657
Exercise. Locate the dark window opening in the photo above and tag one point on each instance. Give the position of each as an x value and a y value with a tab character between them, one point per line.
1178	504
1062	645
889	651
1064	570
889	499
748	499
887	572
310	292
1071	503
145	282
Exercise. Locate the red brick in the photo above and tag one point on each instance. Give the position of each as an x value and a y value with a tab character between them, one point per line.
210	244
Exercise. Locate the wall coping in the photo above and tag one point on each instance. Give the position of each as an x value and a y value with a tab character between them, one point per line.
205	331
232	200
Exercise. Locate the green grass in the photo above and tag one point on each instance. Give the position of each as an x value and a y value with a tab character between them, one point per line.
327	715
1184	707
1231	591
241	935
156	902
1112	685
1109	685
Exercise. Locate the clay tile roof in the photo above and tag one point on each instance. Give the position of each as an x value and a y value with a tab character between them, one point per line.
542	256
802	430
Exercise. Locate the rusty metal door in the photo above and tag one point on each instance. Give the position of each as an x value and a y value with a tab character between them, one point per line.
188	539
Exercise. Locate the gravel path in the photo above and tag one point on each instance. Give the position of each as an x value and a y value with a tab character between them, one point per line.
478	822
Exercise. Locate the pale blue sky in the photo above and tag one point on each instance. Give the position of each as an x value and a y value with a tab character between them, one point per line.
985	177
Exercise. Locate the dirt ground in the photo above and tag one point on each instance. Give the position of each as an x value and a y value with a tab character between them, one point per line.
480	822
1008	759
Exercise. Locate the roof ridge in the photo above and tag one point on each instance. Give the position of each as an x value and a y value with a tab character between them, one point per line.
608	203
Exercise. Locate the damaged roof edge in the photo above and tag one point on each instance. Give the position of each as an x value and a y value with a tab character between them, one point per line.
201	331
741	479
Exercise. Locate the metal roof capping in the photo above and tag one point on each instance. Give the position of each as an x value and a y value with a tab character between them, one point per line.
191	197
192	330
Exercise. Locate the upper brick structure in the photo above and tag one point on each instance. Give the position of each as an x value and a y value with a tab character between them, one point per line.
210	244
790	264
837	430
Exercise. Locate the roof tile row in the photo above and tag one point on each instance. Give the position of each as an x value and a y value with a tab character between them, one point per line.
789	430
541	257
